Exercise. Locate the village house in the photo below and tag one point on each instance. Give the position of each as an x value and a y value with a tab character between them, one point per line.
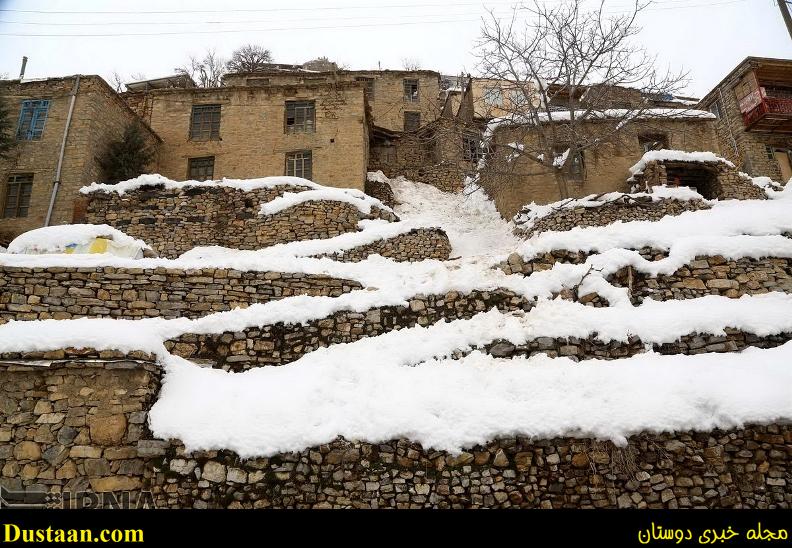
753	104
315	130
400	100
63	127
512	179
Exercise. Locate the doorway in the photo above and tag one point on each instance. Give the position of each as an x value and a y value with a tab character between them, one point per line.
784	163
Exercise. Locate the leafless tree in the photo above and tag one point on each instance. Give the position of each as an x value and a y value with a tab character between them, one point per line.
411	63
116	82
576	80
206	72
322	64
249	58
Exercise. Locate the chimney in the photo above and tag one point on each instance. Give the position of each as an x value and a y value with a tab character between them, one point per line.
22	70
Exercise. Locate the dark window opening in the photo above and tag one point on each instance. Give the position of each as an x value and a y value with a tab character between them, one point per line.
699	178
201	169
299	164
205	123
716	109
17	197
369	86
31	119
412	121
411	91
573	166
654	141
300	117
471	149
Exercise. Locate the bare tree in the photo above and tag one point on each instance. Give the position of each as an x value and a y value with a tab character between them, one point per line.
411	63
249	58
116	81
207	72
576	80
322	64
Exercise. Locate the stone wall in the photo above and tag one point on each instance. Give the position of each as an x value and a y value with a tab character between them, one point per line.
65	293
78	424
710	276
381	191
175	221
283	343
415	245
626	208
726	182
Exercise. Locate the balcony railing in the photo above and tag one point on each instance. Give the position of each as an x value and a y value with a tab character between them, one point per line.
757	106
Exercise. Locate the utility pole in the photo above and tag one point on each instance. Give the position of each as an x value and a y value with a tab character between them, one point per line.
784	7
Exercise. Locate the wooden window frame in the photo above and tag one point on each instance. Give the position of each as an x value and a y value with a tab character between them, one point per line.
305	159
205	122
23	185
299	116
412	90
417	115
192	163
32	119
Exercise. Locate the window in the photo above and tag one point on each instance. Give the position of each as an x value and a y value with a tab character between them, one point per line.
573	165
31	119
655	141
518	98
369	86
770	151
205	123
412	121
17	198
300	117
471	149
299	164
715	108
493	96
411	90
201	169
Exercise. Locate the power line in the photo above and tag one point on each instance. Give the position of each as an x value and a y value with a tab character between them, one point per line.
316	8
292	28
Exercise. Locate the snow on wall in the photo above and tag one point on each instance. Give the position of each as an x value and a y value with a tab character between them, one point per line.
56	239
677	155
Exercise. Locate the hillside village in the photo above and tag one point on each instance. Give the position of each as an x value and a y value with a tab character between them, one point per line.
364	288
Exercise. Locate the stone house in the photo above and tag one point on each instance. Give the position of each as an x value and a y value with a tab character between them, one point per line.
399	100
44	128
753	104
512	179
316	130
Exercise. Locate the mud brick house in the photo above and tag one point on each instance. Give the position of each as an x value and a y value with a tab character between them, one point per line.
753	104
63	126
399	100
513	180
316	130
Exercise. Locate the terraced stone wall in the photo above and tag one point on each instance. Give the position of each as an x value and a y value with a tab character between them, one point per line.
108	292
175	221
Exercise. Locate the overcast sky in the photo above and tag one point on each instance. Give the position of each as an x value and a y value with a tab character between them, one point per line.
705	37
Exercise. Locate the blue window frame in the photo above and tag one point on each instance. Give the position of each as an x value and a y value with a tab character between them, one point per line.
31	119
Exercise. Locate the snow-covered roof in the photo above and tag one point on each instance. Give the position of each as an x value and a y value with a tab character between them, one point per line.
679	156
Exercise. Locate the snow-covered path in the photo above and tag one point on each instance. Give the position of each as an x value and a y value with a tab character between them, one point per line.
472	223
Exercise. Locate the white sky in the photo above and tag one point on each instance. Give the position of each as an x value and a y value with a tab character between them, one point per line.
706	37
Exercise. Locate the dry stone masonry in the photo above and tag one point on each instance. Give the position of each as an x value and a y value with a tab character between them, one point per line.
79	426
63	293
173	221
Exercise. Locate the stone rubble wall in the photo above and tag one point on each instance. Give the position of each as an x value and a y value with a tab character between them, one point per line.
79	425
280	343
175	221
626	209
416	245
381	191
728	183
108	292
578	349
709	276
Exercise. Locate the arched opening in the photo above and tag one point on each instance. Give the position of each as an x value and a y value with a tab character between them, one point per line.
701	178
